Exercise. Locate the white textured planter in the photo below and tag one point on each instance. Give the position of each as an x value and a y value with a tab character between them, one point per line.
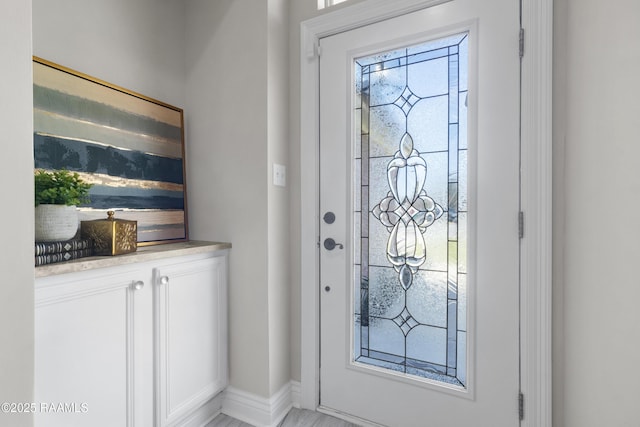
55	223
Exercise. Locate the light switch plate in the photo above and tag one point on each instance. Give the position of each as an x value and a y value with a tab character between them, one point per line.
279	175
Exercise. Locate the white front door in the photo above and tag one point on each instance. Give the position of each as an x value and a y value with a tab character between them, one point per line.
419	200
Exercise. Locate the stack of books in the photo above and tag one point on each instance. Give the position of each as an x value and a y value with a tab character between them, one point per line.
50	252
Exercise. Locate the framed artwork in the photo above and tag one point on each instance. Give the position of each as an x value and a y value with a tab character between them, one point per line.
129	146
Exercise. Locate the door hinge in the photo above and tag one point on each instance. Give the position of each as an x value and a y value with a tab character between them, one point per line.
318	50
521	224
521	42
521	406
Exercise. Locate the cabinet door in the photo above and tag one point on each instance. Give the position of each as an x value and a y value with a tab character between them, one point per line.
191	324
85	357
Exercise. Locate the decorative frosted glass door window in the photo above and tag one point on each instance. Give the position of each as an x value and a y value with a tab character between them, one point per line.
411	210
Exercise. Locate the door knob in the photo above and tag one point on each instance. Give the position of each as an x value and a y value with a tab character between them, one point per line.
137	285
330	244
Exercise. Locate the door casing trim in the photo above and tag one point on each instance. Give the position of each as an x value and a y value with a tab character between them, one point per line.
536	193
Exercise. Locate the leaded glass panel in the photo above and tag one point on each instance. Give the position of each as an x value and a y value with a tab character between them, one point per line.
411	208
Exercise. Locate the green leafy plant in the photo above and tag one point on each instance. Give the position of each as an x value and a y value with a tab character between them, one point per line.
60	188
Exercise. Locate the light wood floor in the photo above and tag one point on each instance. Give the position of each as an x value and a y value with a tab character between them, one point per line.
295	418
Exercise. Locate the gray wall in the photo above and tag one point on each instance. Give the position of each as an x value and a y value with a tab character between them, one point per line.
134	44
236	68
16	255
597	194
278	210
227	92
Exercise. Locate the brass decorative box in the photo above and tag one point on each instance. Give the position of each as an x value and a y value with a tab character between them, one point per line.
111	236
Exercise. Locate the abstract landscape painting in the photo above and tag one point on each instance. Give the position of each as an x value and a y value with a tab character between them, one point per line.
130	147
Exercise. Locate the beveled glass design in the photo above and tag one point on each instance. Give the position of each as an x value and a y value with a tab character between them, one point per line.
410	210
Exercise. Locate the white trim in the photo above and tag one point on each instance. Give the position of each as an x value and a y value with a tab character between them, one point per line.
536	193
257	410
536	199
204	414
309	236
359	15
296	389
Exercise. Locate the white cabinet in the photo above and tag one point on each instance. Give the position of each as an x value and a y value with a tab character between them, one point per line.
142	344
87	333
191	328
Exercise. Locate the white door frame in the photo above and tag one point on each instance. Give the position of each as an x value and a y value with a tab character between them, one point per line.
536	193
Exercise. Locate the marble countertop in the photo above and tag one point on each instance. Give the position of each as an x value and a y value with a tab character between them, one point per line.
145	253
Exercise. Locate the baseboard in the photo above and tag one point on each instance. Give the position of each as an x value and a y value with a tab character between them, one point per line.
296	394
204	414
260	411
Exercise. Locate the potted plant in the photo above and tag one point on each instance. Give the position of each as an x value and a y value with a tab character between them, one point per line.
57	194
